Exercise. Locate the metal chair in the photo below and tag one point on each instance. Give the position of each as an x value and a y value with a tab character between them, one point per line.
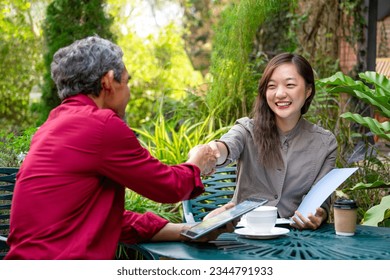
7	184
219	189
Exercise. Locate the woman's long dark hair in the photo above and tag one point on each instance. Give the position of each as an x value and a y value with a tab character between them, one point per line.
266	135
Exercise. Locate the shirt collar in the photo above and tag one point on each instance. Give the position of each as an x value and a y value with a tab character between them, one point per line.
83	98
292	133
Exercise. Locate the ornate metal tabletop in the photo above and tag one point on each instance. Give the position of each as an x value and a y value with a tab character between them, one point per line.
322	244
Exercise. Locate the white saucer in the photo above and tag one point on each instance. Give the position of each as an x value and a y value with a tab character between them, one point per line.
275	232
279	221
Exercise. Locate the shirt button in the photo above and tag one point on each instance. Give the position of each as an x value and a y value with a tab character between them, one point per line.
276	196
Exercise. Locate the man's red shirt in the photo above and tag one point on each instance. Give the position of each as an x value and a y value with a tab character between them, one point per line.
69	196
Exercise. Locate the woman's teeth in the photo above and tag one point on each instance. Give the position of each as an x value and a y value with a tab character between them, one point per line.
283	103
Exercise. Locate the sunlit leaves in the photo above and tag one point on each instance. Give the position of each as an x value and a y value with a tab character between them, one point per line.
19	58
160	70
378	213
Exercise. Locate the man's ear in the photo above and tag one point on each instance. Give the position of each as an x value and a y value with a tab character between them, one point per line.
107	81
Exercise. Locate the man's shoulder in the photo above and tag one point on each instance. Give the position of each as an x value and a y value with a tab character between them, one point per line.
84	116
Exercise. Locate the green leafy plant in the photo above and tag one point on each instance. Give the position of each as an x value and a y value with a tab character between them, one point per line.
20	61
375	168
379	213
170	142
14	146
379	97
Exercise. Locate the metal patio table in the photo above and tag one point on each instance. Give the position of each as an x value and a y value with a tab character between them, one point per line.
368	243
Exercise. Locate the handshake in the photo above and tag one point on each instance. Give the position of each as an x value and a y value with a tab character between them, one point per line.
207	156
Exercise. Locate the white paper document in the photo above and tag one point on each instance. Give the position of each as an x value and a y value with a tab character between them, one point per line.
324	188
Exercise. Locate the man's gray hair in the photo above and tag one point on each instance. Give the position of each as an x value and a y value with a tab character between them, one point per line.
79	67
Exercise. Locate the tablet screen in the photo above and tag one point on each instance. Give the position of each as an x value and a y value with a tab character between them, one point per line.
222	218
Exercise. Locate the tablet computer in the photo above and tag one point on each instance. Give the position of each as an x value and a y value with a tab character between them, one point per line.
220	219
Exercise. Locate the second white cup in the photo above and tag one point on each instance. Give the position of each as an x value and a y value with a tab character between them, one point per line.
262	219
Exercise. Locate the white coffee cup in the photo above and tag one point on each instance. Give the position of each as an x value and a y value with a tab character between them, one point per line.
262	219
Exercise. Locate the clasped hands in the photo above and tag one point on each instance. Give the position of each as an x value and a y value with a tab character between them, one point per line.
205	157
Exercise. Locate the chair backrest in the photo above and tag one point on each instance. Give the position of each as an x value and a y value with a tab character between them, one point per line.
219	189
7	184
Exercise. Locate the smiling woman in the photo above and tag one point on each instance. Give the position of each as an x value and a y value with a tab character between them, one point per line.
279	154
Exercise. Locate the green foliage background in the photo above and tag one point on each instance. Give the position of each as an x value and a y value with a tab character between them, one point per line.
162	75
20	63
371	186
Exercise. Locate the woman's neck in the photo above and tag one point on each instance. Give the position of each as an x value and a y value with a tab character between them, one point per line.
286	125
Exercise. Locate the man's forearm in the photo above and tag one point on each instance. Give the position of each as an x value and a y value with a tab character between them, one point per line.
170	232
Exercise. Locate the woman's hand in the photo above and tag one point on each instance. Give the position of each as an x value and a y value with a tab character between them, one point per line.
311	222
203	156
219	210
220	151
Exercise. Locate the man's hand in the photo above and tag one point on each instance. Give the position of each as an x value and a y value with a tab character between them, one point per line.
212	235
311	222
171	231
229	227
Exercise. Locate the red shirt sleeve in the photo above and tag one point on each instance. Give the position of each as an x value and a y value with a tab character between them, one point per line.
140	227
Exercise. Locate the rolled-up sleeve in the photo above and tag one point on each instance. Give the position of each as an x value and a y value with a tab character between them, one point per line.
234	140
137	227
